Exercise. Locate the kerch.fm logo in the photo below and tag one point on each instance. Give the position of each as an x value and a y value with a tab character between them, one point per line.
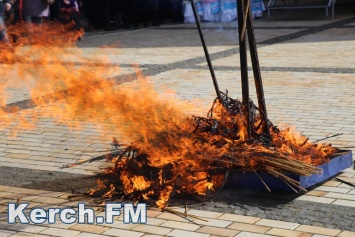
81	215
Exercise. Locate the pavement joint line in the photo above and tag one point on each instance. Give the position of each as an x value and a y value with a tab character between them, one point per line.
305	32
26	104
56	96
278	69
264	43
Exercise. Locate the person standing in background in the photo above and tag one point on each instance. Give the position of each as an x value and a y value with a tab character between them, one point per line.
257	8
54	10
3	35
68	6
176	11
34	10
9	14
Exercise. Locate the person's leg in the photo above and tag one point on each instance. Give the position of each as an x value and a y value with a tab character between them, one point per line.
146	12
123	12
3	34
104	14
156	13
113	14
90	8
37	20
54	10
28	19
176	10
135	10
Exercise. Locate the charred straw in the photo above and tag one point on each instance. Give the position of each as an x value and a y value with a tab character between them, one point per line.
220	130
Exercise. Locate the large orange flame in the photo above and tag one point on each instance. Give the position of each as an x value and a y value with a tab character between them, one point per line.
63	85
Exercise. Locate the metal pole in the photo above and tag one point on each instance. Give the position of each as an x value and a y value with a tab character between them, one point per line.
205	49
256	72
244	69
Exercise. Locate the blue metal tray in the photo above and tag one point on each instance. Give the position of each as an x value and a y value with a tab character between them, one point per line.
251	180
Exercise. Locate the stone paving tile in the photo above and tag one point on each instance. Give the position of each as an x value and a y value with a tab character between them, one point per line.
346	234
251	234
239	218
217	231
96	229
178	233
123	233
17	156
24	197
4	194
27	198
320	235
152	229
343	185
153	213
86	234
121	225
50	200
59	232
316	193
180	225
3	208
4	225
59	225
347	176
5	233
277	224
155	221
249	227
2	187
150	235
23	234
333	189
27	228
316	199
207	214
39	204
9	189
5	201
173	217
332	183
349	170
346	179
340	196
287	233
212	222
318	230
344	203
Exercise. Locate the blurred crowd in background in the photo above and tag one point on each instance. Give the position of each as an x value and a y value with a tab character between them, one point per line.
102	14
114	14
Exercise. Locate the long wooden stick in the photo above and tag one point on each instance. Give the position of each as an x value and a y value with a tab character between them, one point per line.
244	70
267	187
256	71
207	55
242	36
184	214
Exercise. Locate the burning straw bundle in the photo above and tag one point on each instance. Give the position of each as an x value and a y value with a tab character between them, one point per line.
198	164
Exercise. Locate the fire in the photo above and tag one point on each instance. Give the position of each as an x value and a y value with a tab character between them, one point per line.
171	154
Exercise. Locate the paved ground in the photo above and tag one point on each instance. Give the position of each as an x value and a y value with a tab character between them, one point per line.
308	72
